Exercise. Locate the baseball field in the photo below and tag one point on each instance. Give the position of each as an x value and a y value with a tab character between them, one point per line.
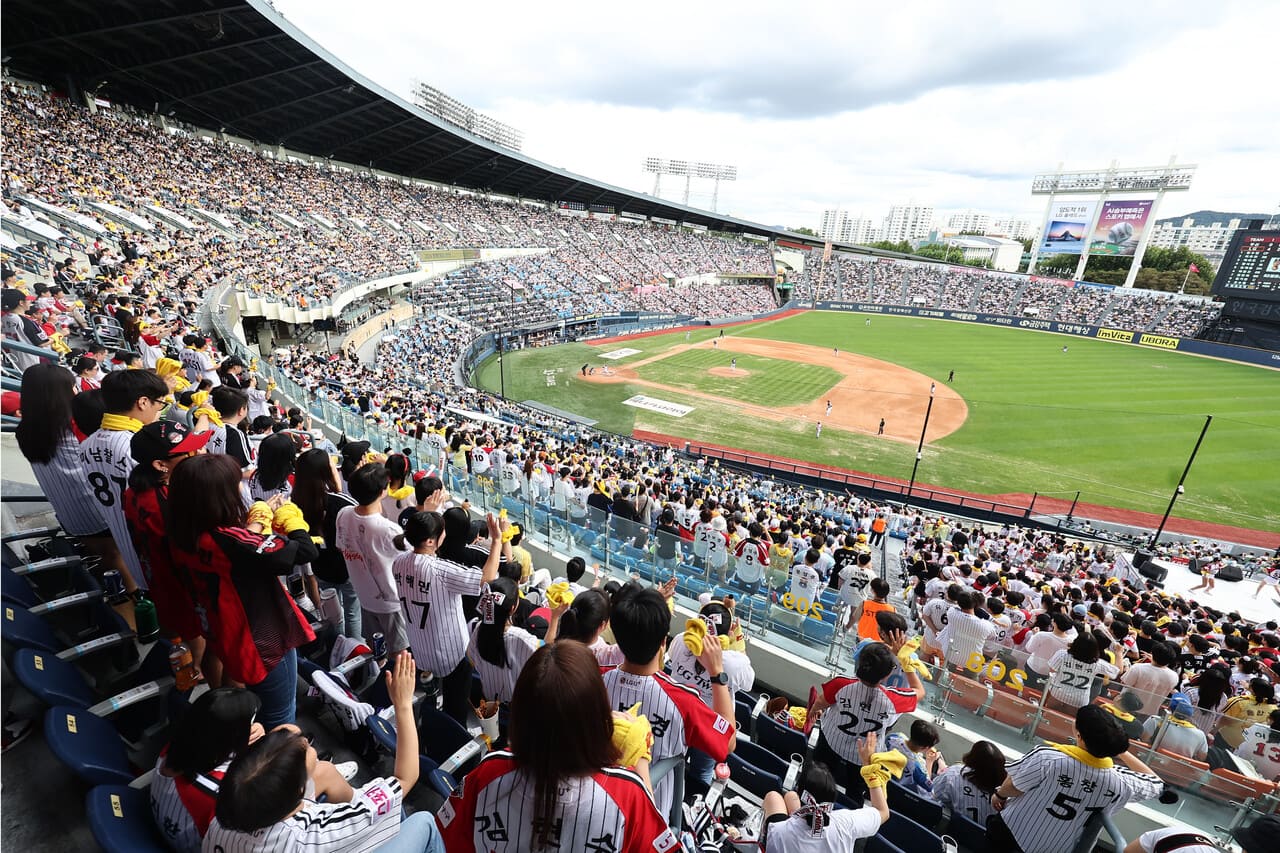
1113	421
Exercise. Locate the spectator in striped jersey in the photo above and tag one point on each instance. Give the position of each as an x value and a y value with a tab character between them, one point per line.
560	786
268	802
966	788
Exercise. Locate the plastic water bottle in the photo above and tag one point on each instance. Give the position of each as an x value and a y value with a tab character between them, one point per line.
184	669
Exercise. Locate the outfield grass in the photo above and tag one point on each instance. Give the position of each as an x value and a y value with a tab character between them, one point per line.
1115	422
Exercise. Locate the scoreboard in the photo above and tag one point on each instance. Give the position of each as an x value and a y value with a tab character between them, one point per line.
1251	268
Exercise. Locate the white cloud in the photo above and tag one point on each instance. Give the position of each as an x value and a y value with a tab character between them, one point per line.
835	104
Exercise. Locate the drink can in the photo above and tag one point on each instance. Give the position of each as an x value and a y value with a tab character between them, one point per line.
379	645
113	582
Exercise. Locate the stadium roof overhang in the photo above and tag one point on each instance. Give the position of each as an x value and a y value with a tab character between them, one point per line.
239	66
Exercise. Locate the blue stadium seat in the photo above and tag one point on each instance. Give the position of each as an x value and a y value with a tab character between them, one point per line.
782	741
921	809
970	835
120	819
819	631
89	745
51	679
23	630
15	590
752	778
742	715
441	782
878	844
905	833
757	755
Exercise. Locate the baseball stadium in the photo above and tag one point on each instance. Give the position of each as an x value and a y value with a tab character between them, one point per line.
369	484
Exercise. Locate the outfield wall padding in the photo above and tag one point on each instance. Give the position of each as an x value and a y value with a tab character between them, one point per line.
1245	355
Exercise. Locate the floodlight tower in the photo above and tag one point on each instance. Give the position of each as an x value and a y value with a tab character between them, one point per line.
659	166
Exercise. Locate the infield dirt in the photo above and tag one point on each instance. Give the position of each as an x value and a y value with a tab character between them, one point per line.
869	389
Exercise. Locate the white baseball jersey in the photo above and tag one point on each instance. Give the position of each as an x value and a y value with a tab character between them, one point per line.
1187	841
499	682
63	481
859	709
367	544
965	634
479	460
853	584
999	638
608	811
936	611
686	669
962	796
510	477
1260	748
1059	793
371	819
108	461
702	533
431	590
717	548
1072	680
805	582
844	827
677	715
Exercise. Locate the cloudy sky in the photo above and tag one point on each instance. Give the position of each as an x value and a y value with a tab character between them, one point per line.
848	105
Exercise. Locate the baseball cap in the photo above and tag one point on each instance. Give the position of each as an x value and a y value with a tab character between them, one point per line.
163	439
1259	835
1180	704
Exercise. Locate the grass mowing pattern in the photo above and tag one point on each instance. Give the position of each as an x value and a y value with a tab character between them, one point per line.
1113	421
772	382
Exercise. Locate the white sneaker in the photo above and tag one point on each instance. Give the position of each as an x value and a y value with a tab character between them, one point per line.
347	769
350	710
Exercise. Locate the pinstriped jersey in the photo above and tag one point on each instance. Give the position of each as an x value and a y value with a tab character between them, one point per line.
608	811
65	483
1060	793
371	819
431	591
108	461
677	715
181	808
962	796
858	709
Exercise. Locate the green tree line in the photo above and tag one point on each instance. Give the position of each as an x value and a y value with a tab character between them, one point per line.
1162	269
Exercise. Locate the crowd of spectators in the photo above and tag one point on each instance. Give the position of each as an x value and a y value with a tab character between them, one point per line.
301	232
393	530
918	284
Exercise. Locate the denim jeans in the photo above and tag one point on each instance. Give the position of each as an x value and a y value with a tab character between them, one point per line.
418	834
351	622
278	692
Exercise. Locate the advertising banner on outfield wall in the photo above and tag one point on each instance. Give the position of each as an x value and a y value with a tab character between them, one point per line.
1120	227
1064	233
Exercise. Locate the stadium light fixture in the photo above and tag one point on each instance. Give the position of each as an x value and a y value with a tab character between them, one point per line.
659	166
1155	537
920	447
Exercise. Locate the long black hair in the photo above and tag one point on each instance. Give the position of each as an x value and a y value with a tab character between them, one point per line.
313	480
276	457
46	411
215	728
588	612
489	636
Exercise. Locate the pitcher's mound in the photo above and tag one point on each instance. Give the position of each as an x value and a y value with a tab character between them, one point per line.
737	373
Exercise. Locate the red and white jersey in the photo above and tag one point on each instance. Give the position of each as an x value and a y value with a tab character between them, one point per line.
606	812
677	715
479	460
182	809
753	559
431	591
859	709
498	682
1060	793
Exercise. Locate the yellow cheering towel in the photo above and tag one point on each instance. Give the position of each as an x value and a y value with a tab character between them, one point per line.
910	663
260	513
1079	753
400	493
511	533
633	738
167	368
200	406
119	423
288	518
884	765
558	595
695	634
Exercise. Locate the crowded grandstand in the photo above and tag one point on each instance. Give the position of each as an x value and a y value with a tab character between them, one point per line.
339	599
